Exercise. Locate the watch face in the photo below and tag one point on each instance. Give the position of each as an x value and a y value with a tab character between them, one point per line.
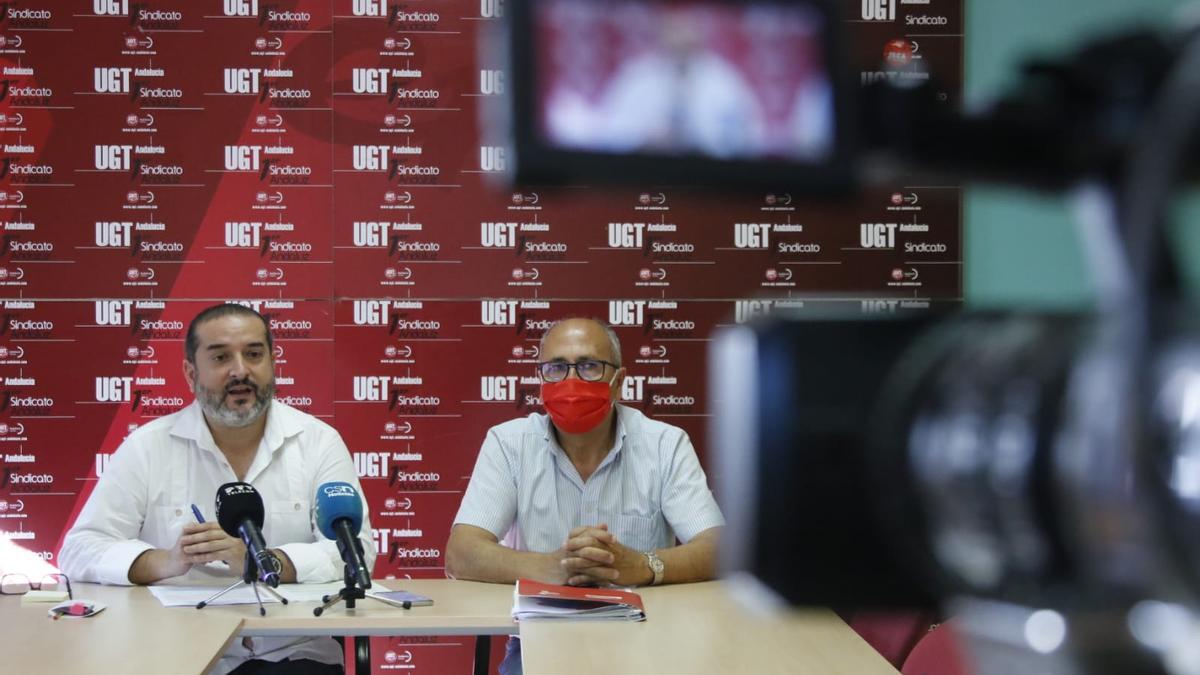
656	566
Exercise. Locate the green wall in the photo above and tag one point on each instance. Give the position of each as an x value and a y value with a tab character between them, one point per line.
1021	247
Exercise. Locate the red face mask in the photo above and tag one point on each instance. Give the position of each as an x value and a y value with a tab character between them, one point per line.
576	406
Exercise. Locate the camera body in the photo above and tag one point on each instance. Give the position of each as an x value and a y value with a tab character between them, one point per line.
908	461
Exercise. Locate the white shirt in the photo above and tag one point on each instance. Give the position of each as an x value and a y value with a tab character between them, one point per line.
649	489
144	498
700	104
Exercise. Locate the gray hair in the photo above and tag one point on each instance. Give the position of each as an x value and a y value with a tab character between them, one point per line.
613	341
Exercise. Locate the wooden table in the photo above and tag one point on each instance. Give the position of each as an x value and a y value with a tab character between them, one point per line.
699	629
135	634
459	608
693	628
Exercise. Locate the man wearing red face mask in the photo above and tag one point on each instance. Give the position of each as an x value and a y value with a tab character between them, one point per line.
591	492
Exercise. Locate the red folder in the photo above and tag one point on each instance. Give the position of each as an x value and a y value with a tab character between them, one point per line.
534	599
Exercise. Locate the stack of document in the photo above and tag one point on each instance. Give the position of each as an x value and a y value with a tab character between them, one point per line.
535	600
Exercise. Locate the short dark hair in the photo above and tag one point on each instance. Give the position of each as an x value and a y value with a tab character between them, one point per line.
192	343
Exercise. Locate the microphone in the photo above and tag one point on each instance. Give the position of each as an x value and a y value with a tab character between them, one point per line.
339	517
240	514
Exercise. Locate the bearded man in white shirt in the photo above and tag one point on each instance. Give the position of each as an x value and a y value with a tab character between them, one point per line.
137	527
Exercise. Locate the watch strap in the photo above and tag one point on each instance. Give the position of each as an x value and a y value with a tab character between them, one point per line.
656	567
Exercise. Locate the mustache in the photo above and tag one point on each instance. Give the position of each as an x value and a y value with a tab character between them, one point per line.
244	382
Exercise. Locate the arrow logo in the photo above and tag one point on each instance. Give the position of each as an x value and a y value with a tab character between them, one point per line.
786	274
660	274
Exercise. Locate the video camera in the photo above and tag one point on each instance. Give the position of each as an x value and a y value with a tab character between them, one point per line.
999	464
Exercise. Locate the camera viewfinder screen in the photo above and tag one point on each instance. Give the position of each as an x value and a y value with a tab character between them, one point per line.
736	81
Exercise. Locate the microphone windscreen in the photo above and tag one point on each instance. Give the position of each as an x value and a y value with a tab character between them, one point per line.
338	500
235	503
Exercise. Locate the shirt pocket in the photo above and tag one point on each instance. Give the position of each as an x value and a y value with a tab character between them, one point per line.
164	524
288	521
640	533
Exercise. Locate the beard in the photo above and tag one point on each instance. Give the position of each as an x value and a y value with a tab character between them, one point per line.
213	403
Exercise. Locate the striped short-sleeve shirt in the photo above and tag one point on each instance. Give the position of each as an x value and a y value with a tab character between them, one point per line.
649	489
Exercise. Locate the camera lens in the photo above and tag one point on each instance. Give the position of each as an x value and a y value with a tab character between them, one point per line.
904	462
970	415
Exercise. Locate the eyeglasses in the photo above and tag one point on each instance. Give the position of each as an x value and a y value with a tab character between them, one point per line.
19	584
589	370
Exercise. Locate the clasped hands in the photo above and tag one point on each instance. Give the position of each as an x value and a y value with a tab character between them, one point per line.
202	543
592	555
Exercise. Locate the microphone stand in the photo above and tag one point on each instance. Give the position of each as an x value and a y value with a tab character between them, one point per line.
249	576
350	594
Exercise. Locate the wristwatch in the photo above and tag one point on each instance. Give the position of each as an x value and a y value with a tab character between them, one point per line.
656	566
